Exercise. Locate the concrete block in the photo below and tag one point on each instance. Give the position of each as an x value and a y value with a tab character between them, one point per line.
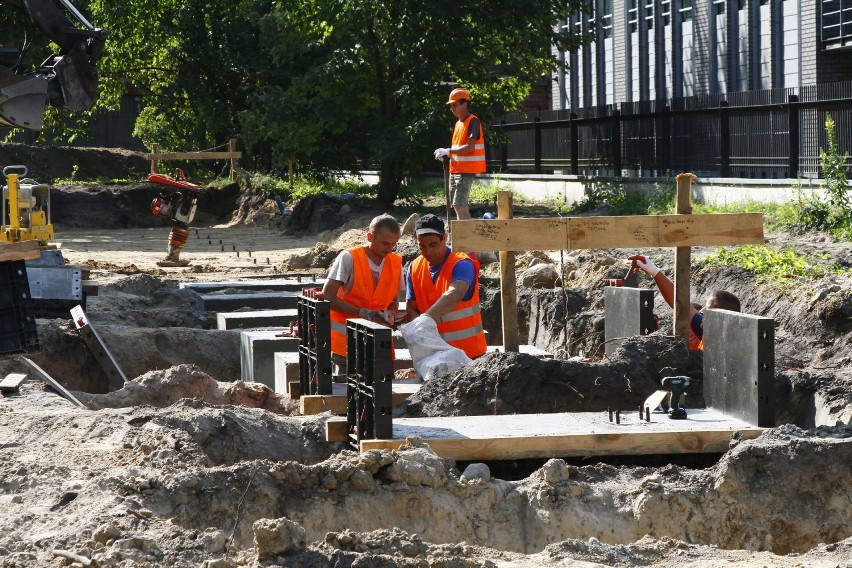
528	349
277	285
257	301
256	319
286	369
739	366
627	312
257	354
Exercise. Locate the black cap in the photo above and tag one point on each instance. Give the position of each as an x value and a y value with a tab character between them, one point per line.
429	224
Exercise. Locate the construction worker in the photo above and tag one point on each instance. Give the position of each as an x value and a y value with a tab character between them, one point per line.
467	153
365	281
444	285
720	299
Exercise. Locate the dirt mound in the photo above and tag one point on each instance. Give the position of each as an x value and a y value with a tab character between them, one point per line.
46	164
516	383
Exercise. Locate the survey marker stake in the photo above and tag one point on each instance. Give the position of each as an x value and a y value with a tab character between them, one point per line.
40	373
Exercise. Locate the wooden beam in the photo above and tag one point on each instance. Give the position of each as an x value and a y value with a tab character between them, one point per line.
336	430
508	287
23	250
645	231
683	259
626	443
193	156
318	403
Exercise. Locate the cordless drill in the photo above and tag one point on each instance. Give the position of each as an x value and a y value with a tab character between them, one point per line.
677	386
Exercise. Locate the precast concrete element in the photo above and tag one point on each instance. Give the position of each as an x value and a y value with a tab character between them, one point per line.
257	301
257	354
280	285
286	370
255	319
627	312
739	366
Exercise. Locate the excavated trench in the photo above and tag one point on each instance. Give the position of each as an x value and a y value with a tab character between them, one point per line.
185	464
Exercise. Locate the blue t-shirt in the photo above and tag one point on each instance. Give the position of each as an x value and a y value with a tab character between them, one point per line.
697	325
463	270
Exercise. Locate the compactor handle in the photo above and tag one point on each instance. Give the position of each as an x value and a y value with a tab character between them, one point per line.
12	169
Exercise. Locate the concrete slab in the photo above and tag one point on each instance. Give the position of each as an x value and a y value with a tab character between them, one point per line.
254	285
518	436
256	319
627	312
257	349
739	365
528	349
257	301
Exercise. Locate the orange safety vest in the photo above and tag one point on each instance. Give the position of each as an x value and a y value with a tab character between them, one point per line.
470	162
363	295
462	327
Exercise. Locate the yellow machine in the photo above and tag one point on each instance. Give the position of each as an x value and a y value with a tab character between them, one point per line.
25	208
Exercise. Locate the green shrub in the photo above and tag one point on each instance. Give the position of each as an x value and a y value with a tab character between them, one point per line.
769	265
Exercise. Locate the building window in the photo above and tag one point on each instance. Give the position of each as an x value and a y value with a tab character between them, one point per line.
685	10
836	22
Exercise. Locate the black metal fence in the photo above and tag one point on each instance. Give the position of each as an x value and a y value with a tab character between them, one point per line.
777	133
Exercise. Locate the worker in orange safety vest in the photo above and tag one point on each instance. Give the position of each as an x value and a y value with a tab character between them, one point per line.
366	282
720	299
467	153
444	285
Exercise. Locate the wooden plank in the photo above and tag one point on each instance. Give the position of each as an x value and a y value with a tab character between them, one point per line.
517	436
193	155
40	373
23	250
508	287
318	403
683	258
567	233
12	381
336	430
628	443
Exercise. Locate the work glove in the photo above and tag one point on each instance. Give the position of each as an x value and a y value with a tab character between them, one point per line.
645	264
369	315
442	153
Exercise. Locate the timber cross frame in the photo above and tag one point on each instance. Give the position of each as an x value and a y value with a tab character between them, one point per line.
680	231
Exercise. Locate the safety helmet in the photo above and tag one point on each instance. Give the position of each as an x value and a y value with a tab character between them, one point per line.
458	95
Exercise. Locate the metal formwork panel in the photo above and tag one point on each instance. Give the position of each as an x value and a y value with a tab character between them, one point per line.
627	312
369	376
314	345
739	366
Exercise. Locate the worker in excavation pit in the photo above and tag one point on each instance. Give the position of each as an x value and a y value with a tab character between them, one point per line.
720	299
444	285
365	281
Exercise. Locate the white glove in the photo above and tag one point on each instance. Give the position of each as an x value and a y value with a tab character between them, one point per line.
442	153
645	264
369	315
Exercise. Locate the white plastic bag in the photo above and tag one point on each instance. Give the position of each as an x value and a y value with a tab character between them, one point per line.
431	355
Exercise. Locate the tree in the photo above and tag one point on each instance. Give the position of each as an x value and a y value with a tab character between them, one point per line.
329	84
366	80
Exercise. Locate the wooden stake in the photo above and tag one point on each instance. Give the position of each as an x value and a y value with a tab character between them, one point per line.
508	288
683	257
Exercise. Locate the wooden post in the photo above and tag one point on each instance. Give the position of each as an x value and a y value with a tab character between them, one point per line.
155	148
508	289
446	162
683	258
232	147
291	173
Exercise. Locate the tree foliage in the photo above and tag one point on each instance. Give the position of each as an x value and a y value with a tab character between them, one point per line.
327	84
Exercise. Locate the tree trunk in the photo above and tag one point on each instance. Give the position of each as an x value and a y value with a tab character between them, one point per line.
390	180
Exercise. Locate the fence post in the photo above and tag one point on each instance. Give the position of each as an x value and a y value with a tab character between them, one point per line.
724	140
155	148
232	147
537	143
616	142
575	143
793	135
